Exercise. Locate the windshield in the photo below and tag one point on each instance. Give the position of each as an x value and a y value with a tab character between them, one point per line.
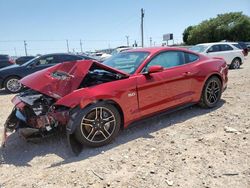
28	62
198	48
127	61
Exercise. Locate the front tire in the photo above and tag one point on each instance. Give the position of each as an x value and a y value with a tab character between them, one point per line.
97	125
12	84
211	93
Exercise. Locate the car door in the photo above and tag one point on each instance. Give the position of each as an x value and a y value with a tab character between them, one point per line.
162	90
220	50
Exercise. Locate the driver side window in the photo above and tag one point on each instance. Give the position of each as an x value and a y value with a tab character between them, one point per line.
167	59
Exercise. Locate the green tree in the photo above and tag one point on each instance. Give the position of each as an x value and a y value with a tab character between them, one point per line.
186	33
232	26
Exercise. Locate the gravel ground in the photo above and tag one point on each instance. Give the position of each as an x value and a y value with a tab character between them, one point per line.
193	147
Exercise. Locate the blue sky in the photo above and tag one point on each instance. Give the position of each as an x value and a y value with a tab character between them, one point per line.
46	24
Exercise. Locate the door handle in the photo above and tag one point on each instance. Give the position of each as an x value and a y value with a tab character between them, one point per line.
186	73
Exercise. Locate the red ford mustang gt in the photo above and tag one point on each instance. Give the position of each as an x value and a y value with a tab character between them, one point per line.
94	101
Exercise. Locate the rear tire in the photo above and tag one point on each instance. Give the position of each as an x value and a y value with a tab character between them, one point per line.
12	84
235	63
97	125
211	93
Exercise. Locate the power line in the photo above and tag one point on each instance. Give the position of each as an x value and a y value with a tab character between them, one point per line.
61	40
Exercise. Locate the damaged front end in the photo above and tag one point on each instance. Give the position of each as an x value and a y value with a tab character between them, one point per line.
34	115
53	96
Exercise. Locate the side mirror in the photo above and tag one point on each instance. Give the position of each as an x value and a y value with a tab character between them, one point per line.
155	68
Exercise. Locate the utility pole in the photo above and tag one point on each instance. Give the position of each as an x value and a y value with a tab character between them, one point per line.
81	45
135	44
142	38
15	51
25	47
67	45
127	40
150	40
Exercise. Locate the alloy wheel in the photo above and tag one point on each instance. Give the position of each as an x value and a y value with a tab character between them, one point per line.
236	64
98	124
213	92
13	85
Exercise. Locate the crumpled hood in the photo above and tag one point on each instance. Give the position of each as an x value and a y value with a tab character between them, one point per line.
61	79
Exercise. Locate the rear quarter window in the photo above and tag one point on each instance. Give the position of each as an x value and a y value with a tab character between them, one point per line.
191	57
237	46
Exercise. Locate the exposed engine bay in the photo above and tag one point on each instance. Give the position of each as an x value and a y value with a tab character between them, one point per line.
98	75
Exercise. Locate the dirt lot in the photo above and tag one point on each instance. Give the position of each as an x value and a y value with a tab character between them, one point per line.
193	147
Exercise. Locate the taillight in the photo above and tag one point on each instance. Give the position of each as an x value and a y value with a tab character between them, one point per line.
244	52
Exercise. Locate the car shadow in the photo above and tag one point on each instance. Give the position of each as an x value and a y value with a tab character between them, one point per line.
4	92
230	69
18	152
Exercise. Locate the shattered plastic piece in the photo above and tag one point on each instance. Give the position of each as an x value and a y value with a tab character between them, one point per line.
230	130
170	182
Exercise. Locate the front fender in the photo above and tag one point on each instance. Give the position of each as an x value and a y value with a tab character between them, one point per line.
74	99
84	97
116	91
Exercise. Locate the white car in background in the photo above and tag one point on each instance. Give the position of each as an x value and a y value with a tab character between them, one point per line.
100	56
227	50
121	49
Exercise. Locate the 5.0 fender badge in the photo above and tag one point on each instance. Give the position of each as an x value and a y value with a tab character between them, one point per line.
131	94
